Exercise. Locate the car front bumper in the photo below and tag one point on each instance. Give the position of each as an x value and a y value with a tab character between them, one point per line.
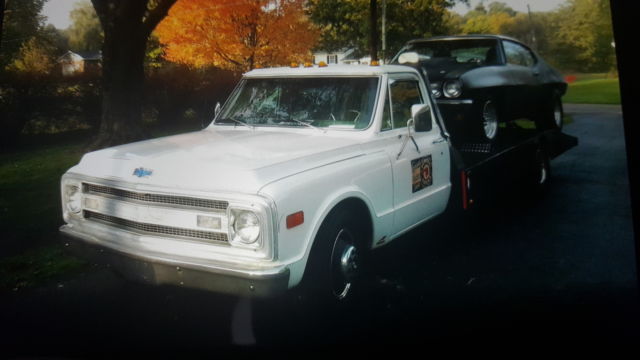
158	270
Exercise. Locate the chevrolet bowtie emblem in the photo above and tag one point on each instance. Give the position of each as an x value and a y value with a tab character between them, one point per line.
142	172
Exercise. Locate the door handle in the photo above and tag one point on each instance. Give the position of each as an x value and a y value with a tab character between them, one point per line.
439	141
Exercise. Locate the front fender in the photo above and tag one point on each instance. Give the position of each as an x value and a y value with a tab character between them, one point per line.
316	192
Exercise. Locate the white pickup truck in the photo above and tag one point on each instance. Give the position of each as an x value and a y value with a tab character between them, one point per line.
303	171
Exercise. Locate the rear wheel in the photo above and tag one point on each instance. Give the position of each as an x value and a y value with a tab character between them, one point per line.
558	113
552	116
542	171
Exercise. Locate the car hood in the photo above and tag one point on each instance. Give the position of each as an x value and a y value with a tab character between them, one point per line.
234	160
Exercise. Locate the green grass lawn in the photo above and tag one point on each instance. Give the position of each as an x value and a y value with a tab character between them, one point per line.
30	212
30	208
593	91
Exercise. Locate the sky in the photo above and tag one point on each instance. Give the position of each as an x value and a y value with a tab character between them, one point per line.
57	11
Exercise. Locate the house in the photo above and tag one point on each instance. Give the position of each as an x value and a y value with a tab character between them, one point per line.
73	63
345	56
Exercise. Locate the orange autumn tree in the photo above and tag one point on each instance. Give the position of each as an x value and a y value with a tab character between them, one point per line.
237	34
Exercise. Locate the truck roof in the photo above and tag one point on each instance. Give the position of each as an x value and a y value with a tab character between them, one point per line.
330	70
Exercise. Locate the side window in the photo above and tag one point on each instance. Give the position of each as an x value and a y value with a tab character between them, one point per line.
397	108
518	55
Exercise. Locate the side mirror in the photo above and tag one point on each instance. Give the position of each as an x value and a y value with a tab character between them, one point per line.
421	116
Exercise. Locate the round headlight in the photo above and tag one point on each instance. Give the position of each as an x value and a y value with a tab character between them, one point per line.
435	90
74	198
246	227
452	89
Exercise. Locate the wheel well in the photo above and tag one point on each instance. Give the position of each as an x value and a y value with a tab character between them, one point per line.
361	214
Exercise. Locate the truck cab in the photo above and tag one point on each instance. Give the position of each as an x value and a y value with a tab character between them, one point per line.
303	170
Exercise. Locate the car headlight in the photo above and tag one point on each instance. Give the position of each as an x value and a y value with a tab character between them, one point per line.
244	228
452	88
435	90
73	198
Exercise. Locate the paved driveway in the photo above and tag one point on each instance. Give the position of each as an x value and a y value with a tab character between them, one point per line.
552	269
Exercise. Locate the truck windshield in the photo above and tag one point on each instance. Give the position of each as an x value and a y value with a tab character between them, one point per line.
338	102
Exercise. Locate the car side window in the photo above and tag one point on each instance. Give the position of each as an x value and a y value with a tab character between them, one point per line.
397	108
518	55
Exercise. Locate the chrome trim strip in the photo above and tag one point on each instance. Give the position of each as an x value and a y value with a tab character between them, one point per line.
455	102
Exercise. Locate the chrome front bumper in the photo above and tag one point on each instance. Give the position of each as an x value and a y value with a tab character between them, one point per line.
161	270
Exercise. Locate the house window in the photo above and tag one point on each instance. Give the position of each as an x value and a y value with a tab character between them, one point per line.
332	59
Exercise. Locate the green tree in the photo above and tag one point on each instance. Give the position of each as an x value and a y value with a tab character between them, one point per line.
491	23
85	33
345	23
21	21
584	36
500	7
36	58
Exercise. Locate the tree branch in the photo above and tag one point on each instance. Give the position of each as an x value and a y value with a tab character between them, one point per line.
156	14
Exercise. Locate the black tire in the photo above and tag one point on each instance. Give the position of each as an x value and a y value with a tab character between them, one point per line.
557	113
335	269
541	172
552	116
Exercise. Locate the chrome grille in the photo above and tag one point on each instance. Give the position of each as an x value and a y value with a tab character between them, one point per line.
156	229
155	198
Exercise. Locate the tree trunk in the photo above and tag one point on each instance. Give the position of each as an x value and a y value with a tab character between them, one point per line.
127	25
1	21
373	29
122	84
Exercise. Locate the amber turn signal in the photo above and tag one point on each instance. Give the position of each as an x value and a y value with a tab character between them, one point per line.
295	219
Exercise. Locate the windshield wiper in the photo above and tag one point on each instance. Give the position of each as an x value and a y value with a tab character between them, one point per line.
240	122
307	124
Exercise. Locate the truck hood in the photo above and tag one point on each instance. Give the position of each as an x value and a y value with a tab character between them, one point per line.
238	160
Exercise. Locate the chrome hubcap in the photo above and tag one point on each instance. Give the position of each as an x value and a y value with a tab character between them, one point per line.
344	264
489	120
543	173
557	115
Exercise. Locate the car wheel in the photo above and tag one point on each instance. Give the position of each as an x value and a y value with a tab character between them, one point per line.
553	115
558	113
335	266
490	123
542	171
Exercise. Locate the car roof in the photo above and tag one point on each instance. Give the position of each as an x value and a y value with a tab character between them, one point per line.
330	70
460	37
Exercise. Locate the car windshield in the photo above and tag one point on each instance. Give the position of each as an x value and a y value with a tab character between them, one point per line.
479	51
338	102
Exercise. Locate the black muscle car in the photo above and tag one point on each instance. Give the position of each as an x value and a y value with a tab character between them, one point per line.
480	81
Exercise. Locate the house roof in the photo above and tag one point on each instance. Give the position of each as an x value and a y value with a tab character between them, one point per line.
83	55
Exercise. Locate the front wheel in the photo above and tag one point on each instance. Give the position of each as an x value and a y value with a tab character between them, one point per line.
490	122
336	263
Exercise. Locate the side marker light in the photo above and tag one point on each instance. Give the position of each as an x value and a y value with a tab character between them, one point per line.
295	219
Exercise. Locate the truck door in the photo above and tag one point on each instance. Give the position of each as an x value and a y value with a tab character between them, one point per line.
421	178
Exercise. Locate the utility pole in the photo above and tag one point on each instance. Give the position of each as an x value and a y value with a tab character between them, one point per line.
533	33
2	7
373	25
384	30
